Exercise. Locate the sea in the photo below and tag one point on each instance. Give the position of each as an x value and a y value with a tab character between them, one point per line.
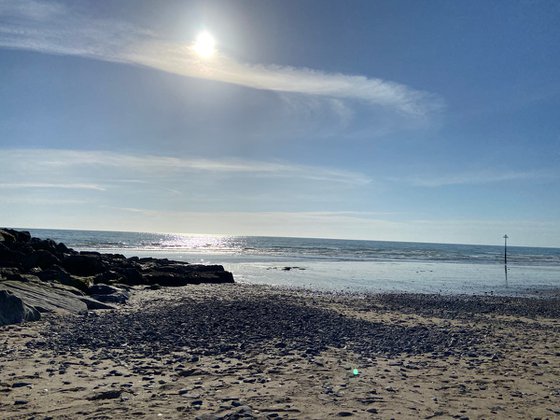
341	265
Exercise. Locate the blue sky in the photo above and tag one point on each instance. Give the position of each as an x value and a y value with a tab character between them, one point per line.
430	121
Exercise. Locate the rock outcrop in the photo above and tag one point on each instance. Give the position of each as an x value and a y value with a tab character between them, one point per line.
45	297
14	311
45	276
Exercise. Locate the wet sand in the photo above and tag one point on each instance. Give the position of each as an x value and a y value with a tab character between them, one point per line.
241	351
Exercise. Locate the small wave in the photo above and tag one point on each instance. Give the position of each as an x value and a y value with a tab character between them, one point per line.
304	248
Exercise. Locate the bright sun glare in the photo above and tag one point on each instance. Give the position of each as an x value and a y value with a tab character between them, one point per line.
205	45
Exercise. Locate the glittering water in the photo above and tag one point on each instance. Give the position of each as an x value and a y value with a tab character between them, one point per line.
340	264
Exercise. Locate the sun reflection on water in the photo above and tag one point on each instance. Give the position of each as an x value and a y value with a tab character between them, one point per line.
200	242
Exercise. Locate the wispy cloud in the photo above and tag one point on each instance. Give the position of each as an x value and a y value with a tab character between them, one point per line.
475	178
180	59
41	161
42	185
197	195
173	183
38	201
30	9
50	28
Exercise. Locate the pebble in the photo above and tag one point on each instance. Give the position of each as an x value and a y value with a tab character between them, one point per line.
250	325
208	417
22	384
106	395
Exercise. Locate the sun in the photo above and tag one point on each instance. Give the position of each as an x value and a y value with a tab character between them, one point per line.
205	45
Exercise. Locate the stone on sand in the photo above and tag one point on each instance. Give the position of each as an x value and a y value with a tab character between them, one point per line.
14	311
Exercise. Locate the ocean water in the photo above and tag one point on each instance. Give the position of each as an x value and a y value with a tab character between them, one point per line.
343	265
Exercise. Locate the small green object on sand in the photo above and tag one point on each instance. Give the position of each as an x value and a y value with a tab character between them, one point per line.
355	372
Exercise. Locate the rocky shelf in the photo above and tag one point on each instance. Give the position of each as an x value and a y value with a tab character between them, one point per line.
40	275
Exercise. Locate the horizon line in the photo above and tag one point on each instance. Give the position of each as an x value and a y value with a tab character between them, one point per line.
284	237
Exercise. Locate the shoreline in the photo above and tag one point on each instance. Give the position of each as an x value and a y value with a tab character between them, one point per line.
334	264
233	350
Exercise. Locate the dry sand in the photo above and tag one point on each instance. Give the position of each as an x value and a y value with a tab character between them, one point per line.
509	369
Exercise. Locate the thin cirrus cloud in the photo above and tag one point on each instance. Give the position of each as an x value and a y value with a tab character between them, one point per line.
47	185
180	59
140	168
476	178
49	27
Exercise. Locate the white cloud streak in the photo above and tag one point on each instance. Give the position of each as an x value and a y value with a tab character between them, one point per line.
475	178
48	27
43	185
43	161
36	201
30	9
181	60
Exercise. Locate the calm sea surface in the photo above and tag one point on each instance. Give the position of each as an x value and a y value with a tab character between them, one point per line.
340	264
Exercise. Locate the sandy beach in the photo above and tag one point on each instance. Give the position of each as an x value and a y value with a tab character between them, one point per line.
241	351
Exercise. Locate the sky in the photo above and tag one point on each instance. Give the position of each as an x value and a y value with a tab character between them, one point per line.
432	121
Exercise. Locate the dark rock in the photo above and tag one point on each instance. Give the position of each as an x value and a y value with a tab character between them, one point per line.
103	289
109	276
10	258
43	244
67	288
215	277
59	275
81	283
13	310
177	274
90	253
41	258
9	273
119	259
208	416
44	297
112	298
21	384
189	372
84	265
22	247
94	304
106	395
66	274
21	235
174	273
55	273
108	294
62	249
131	276
167	279
6	236
25	278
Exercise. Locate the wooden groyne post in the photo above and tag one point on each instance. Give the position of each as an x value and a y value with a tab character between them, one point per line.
505	258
